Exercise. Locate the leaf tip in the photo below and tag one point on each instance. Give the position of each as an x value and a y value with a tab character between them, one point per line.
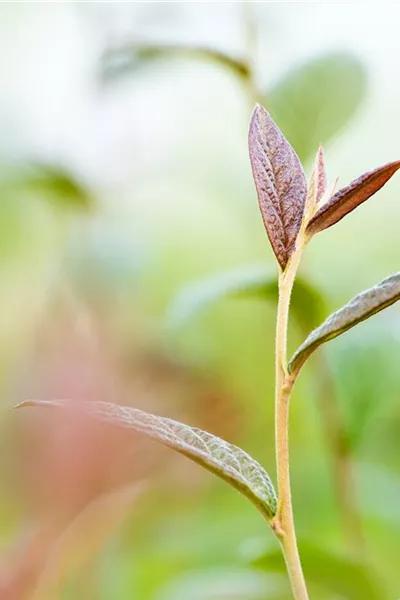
259	113
22	404
259	108
34	403
350	197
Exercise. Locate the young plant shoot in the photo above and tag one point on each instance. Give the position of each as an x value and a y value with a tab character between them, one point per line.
293	212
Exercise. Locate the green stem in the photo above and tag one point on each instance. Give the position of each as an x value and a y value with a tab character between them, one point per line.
283	523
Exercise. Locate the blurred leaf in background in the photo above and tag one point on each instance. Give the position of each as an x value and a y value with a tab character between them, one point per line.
250	282
340	576
225	584
315	101
46	182
187	82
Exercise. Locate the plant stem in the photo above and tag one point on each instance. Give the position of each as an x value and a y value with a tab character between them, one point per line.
283	523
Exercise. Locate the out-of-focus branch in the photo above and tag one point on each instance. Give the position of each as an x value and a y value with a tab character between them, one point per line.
340	455
143	51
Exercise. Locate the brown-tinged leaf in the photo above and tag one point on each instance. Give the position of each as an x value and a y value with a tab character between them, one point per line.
360	308
319	179
351	196
229	462
280	183
318	184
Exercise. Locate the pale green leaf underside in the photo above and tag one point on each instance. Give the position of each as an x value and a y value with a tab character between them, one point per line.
344	577
229	462
219	583
198	296
316	100
358	309
251	281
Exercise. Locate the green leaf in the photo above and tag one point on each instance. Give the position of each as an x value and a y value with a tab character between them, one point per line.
315	101
252	281
358	309
59	188
355	366
307	303
225	584
46	182
343	576
229	462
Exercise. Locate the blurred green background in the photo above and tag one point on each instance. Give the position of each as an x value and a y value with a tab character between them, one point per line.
124	181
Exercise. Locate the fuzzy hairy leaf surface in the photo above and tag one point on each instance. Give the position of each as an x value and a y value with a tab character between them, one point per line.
280	183
318	184
229	462
361	307
351	196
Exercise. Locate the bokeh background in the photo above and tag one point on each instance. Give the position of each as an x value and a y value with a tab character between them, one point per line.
134	268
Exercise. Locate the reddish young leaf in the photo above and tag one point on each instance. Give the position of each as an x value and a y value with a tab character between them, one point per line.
351	196
318	184
319	179
280	183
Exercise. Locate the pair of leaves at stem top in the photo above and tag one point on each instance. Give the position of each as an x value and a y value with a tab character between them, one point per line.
291	209
287	204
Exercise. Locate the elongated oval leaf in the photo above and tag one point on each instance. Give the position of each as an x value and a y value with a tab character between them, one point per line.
280	183
218	583
48	183
250	282
318	184
358	309
314	101
229	462
351	196
343	576
319	179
